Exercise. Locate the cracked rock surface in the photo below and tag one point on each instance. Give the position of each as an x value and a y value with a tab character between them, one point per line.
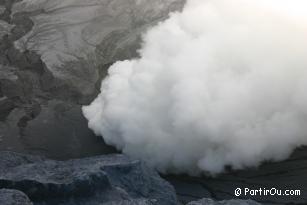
108	179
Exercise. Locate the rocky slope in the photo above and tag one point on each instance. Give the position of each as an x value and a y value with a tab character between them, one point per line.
53	55
92	32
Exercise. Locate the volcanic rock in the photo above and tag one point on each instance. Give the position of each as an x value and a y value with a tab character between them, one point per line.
13	197
110	179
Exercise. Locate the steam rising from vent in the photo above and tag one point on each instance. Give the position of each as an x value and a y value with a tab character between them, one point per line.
222	83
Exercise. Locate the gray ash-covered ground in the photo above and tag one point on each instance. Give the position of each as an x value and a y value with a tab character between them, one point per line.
39	113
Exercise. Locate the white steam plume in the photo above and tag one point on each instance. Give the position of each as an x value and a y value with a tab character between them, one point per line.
222	83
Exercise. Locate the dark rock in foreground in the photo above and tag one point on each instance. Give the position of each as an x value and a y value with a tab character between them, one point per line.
13	197
111	179
230	202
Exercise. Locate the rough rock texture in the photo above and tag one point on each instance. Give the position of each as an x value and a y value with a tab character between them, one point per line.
230	202
13	197
109	179
53	55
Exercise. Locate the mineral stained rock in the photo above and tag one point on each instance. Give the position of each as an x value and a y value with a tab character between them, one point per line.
109	179
230	202
13	197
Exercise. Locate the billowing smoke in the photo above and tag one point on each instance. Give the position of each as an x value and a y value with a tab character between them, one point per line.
222	83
